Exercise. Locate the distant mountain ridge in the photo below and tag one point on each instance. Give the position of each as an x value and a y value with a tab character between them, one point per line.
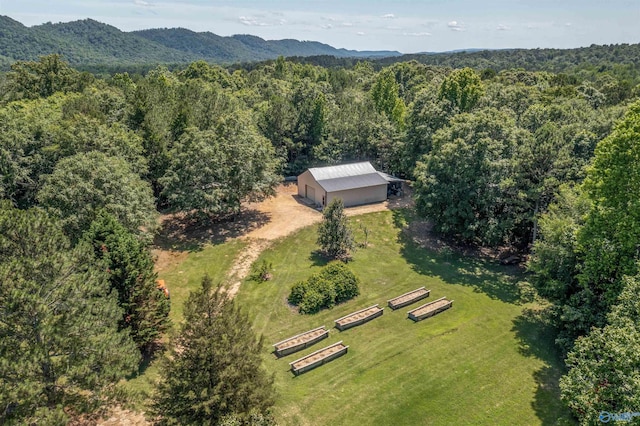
89	42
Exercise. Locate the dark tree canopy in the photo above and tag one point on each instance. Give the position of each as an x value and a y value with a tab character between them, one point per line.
43	78
215	369
213	171
59	341
82	185
129	267
465	183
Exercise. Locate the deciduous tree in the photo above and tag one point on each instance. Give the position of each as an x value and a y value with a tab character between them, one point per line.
212	171
85	183
463	88
466	184
43	78
604	367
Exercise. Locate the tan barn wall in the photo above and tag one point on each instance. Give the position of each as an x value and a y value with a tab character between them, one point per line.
358	196
306	179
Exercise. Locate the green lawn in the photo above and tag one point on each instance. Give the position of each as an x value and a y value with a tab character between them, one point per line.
181	279
488	360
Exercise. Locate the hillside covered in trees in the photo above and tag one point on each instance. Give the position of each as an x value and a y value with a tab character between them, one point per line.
89	42
545	163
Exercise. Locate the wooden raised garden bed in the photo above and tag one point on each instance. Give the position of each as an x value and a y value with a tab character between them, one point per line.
300	341
430	309
359	317
408	298
318	358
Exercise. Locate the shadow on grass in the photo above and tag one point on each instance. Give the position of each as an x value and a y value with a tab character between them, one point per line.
318	258
180	232
536	338
154	353
431	256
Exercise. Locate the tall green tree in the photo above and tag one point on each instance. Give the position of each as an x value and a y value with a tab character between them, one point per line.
129	267
83	184
213	171
542	163
585	253
43	78
214	369
604	367
427	115
27	150
467	184
60	348
610	238
334	234
153	105
463	88
385	93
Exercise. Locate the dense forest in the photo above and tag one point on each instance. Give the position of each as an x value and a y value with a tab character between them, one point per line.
545	163
89	43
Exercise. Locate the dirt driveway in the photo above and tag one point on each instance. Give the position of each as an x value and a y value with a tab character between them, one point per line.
287	212
260	225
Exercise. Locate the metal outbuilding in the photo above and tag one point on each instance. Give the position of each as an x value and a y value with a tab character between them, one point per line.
356	184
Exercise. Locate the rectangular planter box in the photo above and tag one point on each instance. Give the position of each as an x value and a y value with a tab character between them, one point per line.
408	298
430	309
359	317
300	341
318	358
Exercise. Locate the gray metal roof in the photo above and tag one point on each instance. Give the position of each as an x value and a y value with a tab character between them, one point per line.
351	182
390	178
347	176
343	170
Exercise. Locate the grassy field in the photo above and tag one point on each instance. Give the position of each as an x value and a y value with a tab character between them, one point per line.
488	360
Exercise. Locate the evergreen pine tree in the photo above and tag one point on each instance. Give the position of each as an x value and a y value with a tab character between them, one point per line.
214	370
334	235
60	347
129	265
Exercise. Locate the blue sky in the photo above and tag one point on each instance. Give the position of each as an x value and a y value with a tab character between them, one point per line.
406	26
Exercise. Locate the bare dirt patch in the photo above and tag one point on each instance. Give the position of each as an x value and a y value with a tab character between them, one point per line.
287	212
260	224
121	417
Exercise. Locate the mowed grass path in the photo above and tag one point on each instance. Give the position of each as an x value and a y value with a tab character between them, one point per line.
485	361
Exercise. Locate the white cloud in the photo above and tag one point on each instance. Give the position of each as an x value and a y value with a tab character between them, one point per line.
389	16
248	20
421	34
360	33
347	24
252	21
456	26
141	3
568	24
502	27
326	26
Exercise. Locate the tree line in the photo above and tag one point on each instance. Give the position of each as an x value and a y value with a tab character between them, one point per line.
530	159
